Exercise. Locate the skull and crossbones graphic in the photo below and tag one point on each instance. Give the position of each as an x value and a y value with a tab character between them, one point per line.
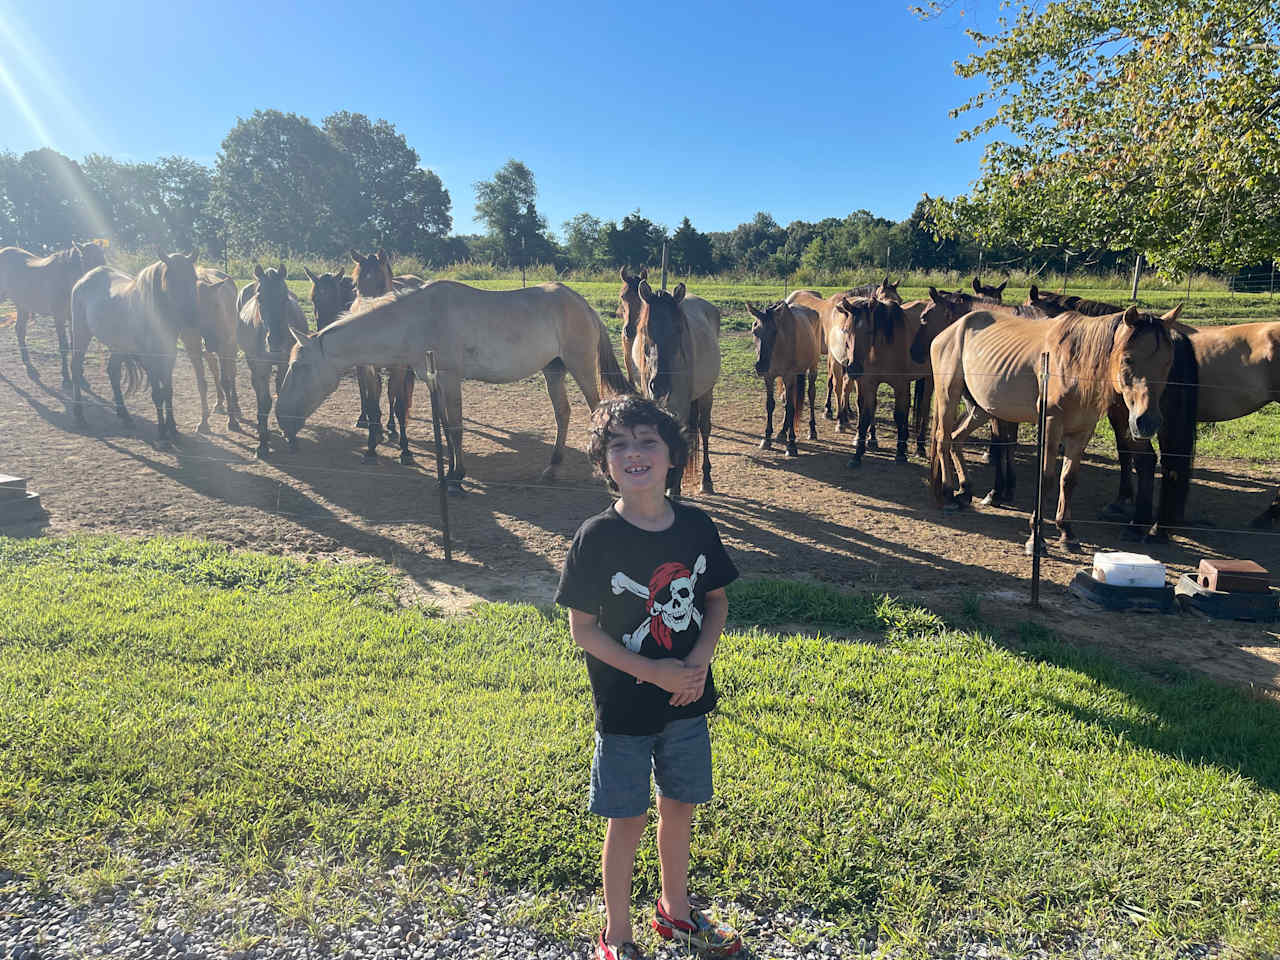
675	614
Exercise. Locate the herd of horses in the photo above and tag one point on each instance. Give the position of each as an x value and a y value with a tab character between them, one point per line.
977	358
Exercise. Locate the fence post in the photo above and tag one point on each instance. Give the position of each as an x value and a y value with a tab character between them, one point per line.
664	264
443	485
1272	290
1066	267
1137	271
1037	540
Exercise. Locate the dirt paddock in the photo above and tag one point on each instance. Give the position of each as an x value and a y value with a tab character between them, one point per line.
810	518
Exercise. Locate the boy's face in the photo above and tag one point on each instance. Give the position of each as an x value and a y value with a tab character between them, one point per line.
638	460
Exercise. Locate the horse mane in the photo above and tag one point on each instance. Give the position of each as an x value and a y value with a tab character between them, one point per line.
1090	308
885	317
1178	438
1087	343
148	287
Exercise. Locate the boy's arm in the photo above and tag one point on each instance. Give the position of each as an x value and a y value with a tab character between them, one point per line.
715	611
671	675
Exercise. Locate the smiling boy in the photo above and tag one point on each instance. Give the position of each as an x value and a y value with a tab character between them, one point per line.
644	583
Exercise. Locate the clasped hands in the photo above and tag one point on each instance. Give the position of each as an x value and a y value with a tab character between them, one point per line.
685	680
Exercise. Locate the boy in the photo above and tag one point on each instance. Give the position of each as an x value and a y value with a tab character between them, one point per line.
644	583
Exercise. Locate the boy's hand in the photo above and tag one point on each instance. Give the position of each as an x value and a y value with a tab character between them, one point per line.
697	684
674	676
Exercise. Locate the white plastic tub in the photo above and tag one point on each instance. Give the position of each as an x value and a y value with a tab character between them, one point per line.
1128	570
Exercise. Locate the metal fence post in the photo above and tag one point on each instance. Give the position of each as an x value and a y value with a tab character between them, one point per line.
1037	520
1137	272
433	389
664	264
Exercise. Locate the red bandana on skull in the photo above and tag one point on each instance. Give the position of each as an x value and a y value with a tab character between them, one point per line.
661	579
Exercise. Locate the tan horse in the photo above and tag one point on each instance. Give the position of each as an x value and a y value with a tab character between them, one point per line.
786	346
373	278
268	311
629	306
493	336
138	319
993	361
43	285
884	290
676	355
828	320
214	332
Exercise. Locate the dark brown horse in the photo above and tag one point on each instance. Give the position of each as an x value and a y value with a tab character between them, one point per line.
42	285
213	339
991	293
268	310
786	347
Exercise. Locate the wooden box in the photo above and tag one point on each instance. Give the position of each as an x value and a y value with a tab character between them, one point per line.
1233	576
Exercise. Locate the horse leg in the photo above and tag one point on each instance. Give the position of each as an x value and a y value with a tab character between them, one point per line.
974	418
393	390
901	414
827	411
64	347
1267	518
261	375
170	420
1118	415
795	394
79	344
704	427
554	373
20	324
1052	437
403	402
1005	437
813	390
113	372
1073	452
227	375
769	402
866	419
157	398
1142	457
363	420
923	389
194	345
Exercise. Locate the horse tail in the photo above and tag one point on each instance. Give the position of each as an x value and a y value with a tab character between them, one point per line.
1178	439
136	374
693	462
935	461
612	380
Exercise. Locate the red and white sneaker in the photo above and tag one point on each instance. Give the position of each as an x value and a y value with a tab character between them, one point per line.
698	932
609	951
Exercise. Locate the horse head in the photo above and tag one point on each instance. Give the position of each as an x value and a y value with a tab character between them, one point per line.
178	284
992	293
331	293
765	332
889	290
1141	358
372	275
843	340
658	348
273	305
629	301
310	377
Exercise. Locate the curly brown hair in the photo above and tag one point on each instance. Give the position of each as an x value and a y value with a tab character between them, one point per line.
627	413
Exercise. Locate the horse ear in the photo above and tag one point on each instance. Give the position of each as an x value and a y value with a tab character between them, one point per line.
1000	289
644	273
284	271
935	296
355	257
622	272
1034	295
191	255
302	338
1169	318
257	270
678	293
751	308
1132	317
977	287
341	272
382	255
310	276
646	292
164	258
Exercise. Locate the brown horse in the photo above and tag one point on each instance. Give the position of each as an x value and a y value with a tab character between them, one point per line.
629	306
991	293
138	319
676	355
786	346
215	331
372	279
884	290
43	285
268	311
498	336
993	361
331	294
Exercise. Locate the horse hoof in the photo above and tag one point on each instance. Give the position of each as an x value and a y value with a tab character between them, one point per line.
854	463
362	423
707	487
900	457
1032	547
368	457
813	434
204	428
125	420
1156	536
262	453
293	445
792	451
1134	532
1071	546
828	414
233	426
219	409
921	452
842	428
766	443
1264	521
455	488
990	500
1116	511
953	506
406	458
873	445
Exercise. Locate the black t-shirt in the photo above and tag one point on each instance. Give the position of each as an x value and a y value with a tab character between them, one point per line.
647	590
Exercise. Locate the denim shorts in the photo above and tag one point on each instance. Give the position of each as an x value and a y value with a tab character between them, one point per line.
679	756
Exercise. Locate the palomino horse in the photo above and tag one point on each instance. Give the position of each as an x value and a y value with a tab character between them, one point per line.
494	336
676	354
373	278
824	309
43	285
786	346
138	319
993	362
629	306
268	310
215	331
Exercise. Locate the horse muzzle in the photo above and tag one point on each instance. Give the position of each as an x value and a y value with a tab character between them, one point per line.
853	369
1145	426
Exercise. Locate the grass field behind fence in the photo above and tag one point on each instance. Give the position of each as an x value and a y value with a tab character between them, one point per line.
918	780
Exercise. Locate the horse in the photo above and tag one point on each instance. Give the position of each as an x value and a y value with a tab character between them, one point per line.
676	354
372	278
214	331
629	306
991	293
884	290
331	294
786	346
993	361
824	310
267	309
494	336
138	319
43	285
880	352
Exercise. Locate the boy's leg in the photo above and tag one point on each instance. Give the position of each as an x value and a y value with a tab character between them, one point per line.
675	824
617	863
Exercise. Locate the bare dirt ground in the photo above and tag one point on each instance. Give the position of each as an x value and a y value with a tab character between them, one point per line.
809	518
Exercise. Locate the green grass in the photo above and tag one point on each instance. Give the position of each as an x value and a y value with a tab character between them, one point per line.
916	781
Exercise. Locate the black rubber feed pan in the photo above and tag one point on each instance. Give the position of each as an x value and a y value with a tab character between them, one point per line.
1111	597
1220	605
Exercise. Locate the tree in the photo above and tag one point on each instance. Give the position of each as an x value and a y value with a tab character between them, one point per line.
751	244
1144	124
282	181
637	241
49	200
184	192
507	206
405	207
689	251
582	241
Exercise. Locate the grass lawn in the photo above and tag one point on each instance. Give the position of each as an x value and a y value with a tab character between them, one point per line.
920	779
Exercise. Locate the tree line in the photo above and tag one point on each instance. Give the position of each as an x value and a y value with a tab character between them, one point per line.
285	185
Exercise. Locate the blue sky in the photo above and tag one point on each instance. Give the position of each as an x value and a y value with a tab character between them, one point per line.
711	110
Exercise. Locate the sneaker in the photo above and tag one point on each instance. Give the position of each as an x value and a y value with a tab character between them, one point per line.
608	951
697	932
